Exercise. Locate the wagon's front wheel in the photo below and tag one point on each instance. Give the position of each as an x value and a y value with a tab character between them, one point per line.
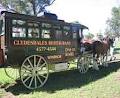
34	72
83	64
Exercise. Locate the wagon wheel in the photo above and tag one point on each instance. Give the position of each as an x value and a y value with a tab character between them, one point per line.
34	72
12	72
83	64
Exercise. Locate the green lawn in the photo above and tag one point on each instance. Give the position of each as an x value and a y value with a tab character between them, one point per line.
4	79
117	47
104	83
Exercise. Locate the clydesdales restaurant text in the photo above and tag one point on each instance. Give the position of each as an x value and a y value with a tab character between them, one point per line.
40	43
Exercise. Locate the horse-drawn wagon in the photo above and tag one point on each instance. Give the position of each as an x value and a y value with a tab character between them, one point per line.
37	45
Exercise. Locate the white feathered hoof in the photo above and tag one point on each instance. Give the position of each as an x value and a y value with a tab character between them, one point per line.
105	64
95	65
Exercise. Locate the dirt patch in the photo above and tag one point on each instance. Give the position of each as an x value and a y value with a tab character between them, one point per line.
9	95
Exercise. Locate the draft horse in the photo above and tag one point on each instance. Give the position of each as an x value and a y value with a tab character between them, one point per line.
100	52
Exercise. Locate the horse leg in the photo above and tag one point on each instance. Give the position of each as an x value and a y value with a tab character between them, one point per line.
105	59
101	58
95	65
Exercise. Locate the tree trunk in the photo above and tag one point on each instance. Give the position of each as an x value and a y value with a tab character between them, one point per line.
34	7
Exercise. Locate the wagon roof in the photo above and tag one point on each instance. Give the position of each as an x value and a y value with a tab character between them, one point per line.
41	18
28	17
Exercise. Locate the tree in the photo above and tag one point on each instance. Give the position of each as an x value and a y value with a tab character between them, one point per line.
31	7
114	22
89	36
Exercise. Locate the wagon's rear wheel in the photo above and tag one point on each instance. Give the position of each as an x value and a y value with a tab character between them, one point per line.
12	72
34	72
83	64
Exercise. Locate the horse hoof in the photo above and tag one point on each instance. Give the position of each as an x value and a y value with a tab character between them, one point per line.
105	65
114	58
96	68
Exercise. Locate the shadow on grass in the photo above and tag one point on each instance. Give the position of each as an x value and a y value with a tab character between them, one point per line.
116	49
67	80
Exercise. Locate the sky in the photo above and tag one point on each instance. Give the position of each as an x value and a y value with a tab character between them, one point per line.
92	13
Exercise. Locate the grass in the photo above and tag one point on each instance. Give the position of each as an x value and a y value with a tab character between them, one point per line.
4	79
117	47
104	83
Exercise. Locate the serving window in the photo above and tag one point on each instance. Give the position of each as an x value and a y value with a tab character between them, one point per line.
18	28
2	24
57	31
58	34
46	25
45	33
18	22
33	33
66	32
75	32
18	32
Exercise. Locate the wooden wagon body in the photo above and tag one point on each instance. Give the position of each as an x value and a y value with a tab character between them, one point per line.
32	42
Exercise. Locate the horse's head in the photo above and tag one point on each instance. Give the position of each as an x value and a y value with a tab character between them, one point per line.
108	41
111	42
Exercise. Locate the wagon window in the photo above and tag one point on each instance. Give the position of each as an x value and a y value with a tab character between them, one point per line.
80	33
33	32
46	25
66	31
58	34
18	32
56	27
2	25
32	24
18	22
74	31
57	31
45	33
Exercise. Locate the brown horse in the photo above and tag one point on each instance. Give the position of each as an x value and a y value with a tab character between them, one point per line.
100	49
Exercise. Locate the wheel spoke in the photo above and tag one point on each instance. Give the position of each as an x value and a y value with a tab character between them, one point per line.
35	80
26	72
34	60
39	79
39	62
30	63
27	68
42	76
26	79
42	65
31	81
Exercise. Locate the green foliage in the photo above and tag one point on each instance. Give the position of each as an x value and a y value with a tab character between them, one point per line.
114	22
30	7
89	36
